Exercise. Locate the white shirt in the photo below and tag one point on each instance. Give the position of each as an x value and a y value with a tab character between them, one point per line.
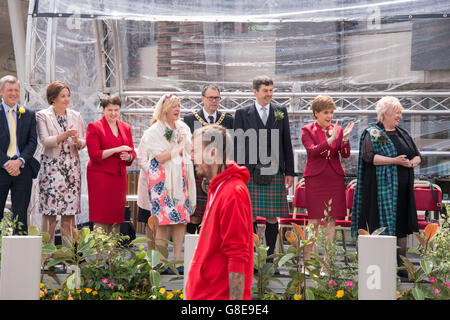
206	115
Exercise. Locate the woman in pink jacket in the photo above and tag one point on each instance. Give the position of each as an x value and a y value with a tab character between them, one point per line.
324	175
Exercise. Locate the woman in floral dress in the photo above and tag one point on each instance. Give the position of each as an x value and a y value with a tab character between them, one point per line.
60	131
164	153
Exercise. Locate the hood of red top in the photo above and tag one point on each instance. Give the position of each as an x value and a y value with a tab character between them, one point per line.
233	170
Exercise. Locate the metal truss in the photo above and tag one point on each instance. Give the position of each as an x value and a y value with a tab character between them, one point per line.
108	47
299	102
40	58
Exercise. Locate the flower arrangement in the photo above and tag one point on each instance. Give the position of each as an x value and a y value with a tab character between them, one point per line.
379	135
279	115
21	111
168	134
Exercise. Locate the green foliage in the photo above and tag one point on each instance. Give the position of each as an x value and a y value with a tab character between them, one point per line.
264	271
434	266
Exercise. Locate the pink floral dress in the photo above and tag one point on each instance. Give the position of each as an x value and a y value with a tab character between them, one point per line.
169	211
60	180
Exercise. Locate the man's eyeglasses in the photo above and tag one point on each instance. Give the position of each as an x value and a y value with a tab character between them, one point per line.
213	98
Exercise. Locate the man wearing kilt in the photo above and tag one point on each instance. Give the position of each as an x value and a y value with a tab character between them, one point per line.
197	119
263	144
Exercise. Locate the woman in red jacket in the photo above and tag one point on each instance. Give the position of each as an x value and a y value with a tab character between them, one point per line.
324	175
111	150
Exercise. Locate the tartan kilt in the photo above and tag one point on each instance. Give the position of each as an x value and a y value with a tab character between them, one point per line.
202	198
269	200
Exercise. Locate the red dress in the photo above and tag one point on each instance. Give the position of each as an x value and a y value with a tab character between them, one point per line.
324	175
107	178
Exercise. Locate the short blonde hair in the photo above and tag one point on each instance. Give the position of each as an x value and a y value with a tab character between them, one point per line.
386	105
164	104
322	102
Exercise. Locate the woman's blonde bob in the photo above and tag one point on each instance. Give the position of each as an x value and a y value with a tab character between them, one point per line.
164	104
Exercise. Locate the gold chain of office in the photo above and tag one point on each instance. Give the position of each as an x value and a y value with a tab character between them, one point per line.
204	123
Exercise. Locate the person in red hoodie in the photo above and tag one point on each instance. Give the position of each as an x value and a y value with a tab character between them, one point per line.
222	265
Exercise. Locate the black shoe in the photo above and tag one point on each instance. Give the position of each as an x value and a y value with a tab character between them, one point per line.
403	274
169	272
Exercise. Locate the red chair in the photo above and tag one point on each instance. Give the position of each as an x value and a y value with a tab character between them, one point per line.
424	198
349	194
299	196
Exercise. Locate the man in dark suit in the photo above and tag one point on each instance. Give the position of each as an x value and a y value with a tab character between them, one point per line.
18	142
197	119
263	145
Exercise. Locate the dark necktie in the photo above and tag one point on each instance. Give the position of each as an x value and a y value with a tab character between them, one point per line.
211	119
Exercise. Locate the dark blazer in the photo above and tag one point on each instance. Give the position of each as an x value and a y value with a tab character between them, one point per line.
319	153
248	118
26	138
193	123
99	137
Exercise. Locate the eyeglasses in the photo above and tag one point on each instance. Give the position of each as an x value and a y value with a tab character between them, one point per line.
213	98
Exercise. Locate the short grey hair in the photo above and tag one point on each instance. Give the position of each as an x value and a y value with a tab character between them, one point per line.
7	79
209	86
387	104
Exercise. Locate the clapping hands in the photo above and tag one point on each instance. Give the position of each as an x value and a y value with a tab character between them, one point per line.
348	129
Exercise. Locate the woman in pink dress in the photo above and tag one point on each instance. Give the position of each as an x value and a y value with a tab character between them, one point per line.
166	157
324	175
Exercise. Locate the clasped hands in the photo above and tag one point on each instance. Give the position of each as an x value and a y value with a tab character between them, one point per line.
72	134
124	153
402	160
13	167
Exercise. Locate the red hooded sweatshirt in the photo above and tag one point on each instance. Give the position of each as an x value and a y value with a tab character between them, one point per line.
225	243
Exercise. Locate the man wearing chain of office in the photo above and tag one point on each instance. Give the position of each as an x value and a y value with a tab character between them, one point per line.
198	118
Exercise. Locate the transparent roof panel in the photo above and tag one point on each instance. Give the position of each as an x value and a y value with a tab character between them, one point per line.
243	10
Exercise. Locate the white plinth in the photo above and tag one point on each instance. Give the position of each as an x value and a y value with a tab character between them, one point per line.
377	265
190	243
21	268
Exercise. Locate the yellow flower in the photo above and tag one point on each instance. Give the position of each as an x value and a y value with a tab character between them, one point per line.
88	290
399	295
170	295
340	294
21	111
297	296
78	291
94	293
181	296
41	286
162	290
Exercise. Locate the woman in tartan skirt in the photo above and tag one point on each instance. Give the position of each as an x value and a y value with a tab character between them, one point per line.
384	195
324	174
